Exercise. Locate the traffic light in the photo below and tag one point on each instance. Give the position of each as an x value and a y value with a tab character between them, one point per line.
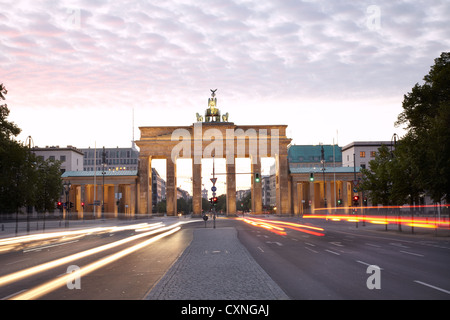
355	200
59	205
257	179
70	205
213	201
82	205
311	176
365	201
339	202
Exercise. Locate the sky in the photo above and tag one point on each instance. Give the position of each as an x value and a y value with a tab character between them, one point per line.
83	72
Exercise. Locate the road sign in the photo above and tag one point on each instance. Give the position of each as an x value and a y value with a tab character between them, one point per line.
213	189
213	180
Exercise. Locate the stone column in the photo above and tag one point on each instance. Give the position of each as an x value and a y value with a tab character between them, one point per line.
256	187
345	196
296	197
171	187
282	175
116	207
133	200
330	198
312	197
196	188
231	188
145	185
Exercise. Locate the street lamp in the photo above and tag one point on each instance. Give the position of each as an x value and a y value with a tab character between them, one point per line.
103	174
322	160
67	187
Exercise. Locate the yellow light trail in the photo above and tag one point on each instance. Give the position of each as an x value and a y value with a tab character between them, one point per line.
410	221
61	281
48	265
8	244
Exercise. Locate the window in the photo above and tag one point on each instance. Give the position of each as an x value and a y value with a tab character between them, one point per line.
373	154
362	154
62	158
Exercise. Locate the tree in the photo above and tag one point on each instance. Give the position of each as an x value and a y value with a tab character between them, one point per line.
25	180
221	205
426	114
206	205
245	204
377	181
13	163
48	184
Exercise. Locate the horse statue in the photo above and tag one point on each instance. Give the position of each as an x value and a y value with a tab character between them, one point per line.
225	117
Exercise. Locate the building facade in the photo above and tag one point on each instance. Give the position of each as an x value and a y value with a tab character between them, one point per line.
360	153
71	158
310	156
117	159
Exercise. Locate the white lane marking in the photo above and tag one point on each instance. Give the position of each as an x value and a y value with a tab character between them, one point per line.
311	250
365	263
12	295
333	252
49	246
412	253
398	244
431	286
373	245
337	244
277	243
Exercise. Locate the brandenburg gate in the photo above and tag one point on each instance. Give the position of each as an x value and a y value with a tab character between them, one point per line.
213	136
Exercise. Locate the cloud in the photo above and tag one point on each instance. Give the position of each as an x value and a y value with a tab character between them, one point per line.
167	54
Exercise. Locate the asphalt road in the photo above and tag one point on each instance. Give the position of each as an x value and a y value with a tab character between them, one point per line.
128	277
335	265
309	259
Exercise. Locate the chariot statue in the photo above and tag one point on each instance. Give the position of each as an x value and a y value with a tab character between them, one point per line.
212	114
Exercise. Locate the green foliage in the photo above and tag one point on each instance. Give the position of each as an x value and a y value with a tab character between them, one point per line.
426	114
25	180
245	204
377	181
421	160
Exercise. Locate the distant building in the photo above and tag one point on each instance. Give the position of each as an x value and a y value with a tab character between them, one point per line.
266	191
310	156
71	158
240	194
158	188
205	193
117	159
183	194
364	152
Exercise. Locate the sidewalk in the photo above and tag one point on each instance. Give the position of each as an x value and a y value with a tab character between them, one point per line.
216	266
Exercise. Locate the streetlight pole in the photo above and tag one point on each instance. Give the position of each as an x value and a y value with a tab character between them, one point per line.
103	174
322	157
67	186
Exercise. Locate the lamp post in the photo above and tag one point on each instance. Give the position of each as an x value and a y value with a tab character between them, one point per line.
322	160
103	174
67	187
